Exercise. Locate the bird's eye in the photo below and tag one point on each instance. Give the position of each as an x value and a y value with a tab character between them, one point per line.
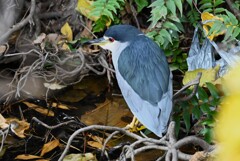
111	39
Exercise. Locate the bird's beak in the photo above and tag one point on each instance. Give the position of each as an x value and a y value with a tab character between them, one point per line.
100	42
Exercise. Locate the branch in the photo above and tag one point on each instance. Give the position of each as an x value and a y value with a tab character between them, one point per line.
194	82
20	24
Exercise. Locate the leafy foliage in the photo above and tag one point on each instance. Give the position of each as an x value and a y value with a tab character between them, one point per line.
106	9
229	24
141	4
201	107
212	6
165	21
168	20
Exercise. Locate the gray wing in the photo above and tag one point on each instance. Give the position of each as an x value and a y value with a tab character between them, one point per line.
144	66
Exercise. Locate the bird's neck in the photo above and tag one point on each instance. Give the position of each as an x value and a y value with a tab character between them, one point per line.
116	53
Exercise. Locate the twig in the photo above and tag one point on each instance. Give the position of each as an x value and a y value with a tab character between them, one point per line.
129	151
20	24
194	82
134	14
196	7
96	127
52	127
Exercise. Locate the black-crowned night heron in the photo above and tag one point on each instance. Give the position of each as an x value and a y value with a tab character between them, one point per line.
142	73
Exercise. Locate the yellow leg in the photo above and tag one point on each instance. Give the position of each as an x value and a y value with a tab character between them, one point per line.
133	126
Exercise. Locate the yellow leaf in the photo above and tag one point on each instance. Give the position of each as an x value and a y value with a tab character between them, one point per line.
65	47
95	144
57	105
208	75
67	31
49	146
39	109
3	123
205	16
20	128
27	157
108	23
85	7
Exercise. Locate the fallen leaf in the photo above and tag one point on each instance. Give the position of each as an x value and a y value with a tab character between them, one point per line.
40	38
57	105
18	127
67	31
22	126
80	157
95	144
112	113
39	109
3	48
49	146
3	123
27	157
85	7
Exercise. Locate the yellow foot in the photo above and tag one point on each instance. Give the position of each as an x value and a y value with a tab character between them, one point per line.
135	125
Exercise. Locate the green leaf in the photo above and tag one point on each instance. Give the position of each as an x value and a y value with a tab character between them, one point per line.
205	108
156	14
194	101
170	25
236	32
156	3
233	19
160	39
141	4
107	13
171	6
205	1
219	10
165	33
208	10
163	12
174	18
213	90
202	94
190	3
217	3
186	118
152	34
179	5
177	125
214	102
205	6
196	112
111	8
216	28
207	132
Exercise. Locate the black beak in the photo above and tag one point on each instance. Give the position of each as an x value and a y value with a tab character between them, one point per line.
100	41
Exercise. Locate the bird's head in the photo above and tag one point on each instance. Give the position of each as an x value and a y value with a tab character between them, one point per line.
116	36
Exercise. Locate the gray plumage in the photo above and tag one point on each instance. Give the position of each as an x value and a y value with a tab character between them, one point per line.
143	75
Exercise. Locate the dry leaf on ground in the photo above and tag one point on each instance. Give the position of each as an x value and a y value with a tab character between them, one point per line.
49	146
27	157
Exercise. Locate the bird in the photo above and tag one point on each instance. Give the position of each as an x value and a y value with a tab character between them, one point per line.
142	73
